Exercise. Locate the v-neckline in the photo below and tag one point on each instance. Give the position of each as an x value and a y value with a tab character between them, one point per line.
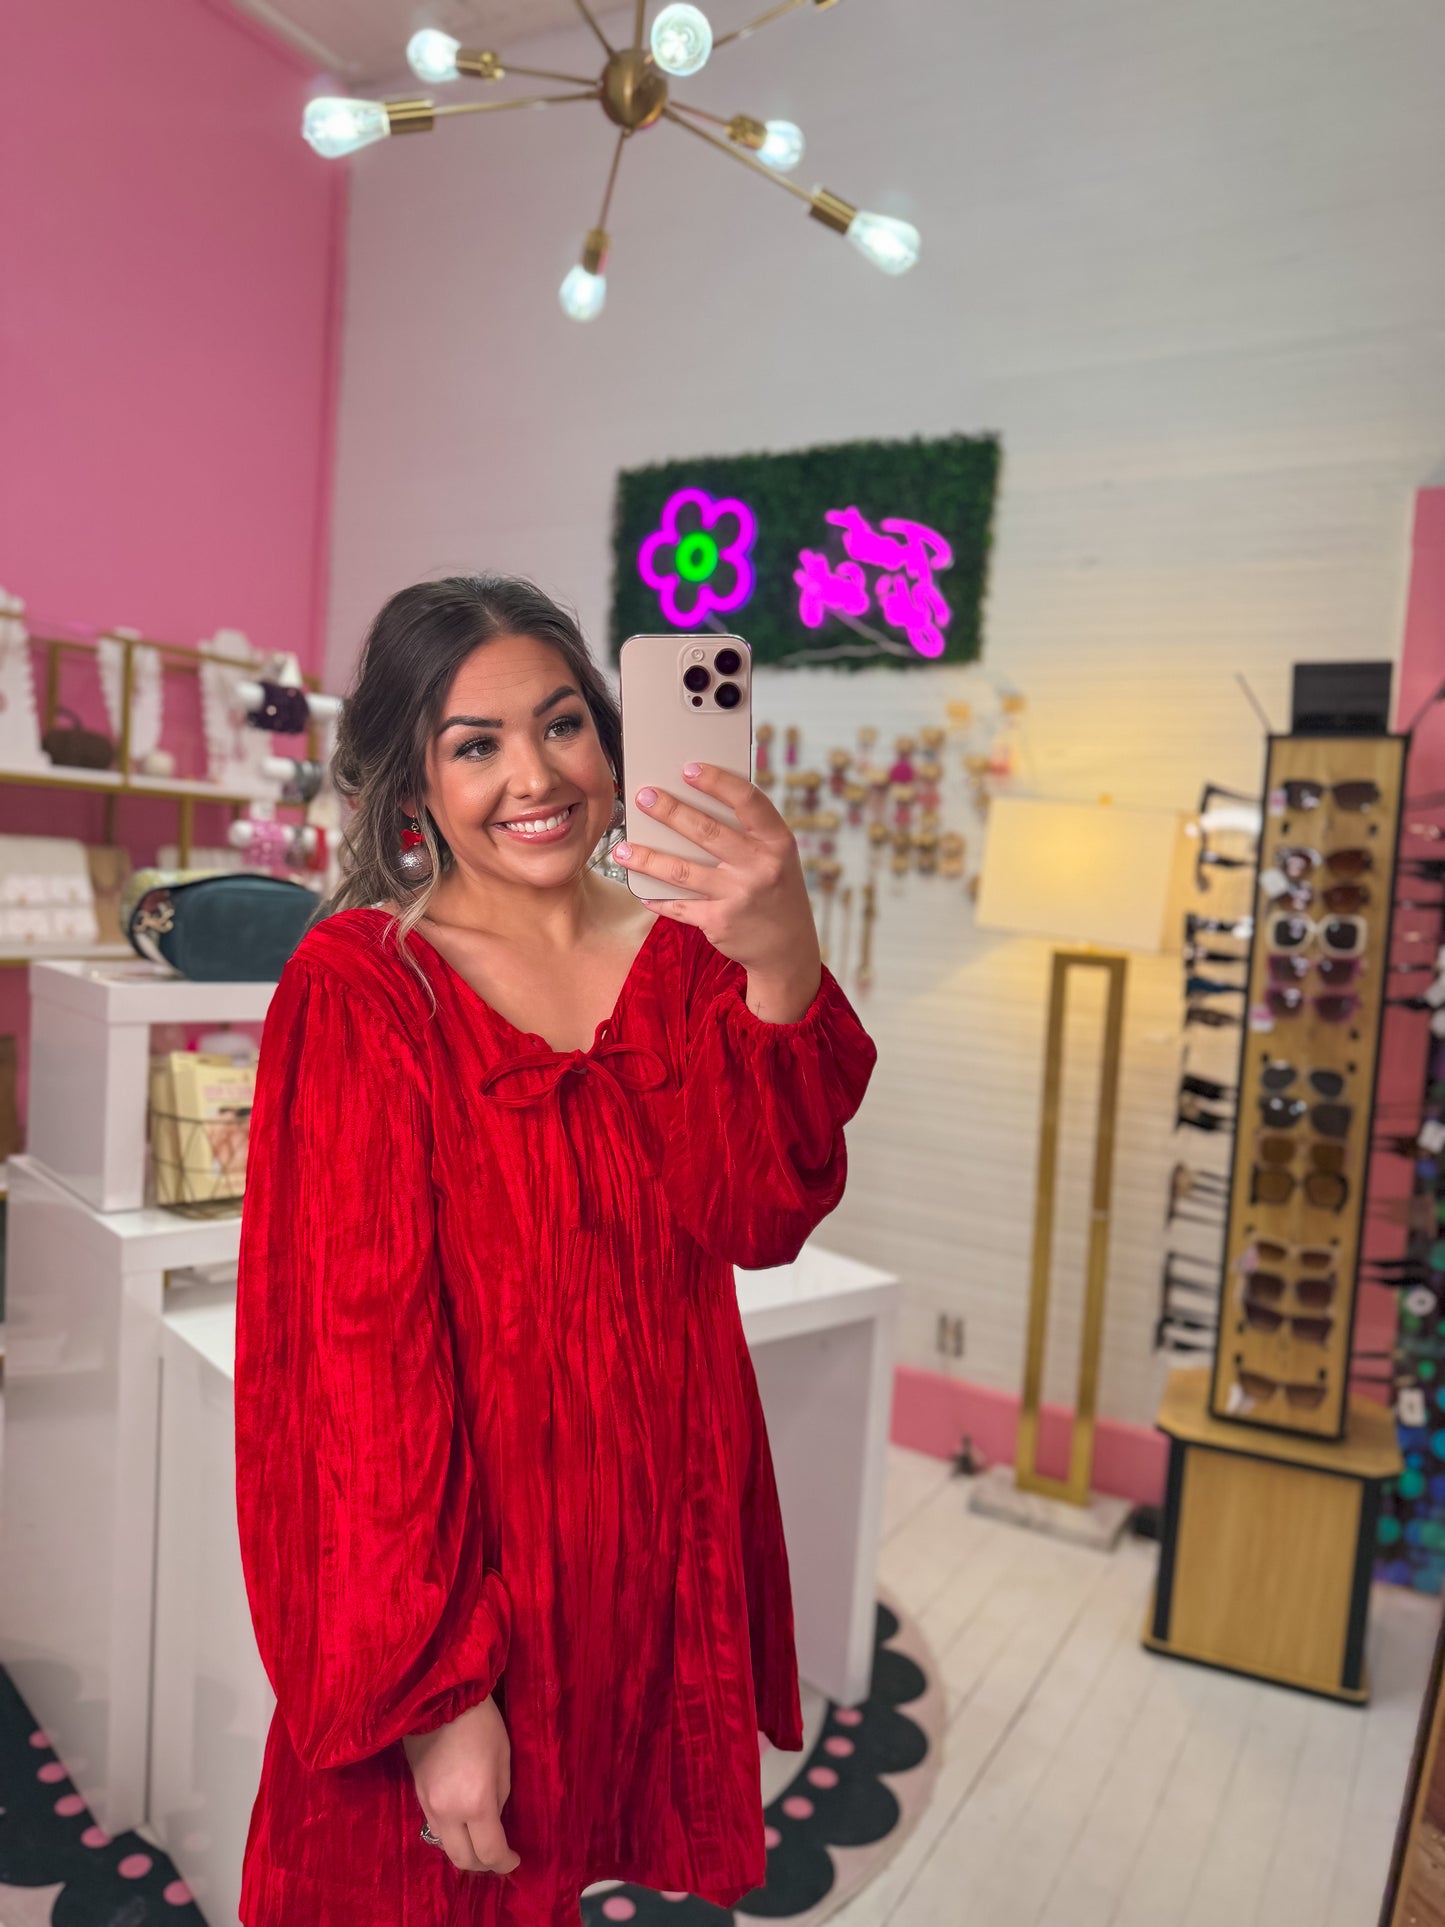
608	1023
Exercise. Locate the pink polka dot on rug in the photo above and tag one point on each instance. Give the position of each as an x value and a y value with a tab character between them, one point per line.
668	1896
847	1716
51	1772
39	1737
95	1837
822	1776
838	1747
619	1907
177	1893
797	1808
135	1866
69	1804
772	1838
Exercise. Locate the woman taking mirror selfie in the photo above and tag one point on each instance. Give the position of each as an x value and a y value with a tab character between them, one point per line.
509	1527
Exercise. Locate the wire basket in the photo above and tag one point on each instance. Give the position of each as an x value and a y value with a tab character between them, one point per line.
200	1163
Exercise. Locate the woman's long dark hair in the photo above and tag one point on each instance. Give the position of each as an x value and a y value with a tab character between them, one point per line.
414	649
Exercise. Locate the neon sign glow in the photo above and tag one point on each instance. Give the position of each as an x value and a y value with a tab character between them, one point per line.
703	569
906	554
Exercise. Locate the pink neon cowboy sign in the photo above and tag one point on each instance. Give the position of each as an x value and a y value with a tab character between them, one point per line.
906	554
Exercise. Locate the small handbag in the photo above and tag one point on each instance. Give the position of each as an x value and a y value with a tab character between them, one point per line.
217	926
77	747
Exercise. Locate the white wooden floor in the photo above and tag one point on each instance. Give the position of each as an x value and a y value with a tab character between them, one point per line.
1088	1783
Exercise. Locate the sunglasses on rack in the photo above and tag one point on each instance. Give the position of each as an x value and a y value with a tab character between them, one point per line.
1241	928
1297	861
1341	897
1271	1181
1206	1087
1198	953
1339	936
1267	1288
1335	973
1278	1074
1210	1016
1330	1006
1264	1318
1302	794
1284	1113
1273	1252
1212	987
1260	1388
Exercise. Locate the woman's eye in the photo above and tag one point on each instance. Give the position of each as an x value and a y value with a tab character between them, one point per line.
569	725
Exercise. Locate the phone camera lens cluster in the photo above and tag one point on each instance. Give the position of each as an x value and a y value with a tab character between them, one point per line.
727	662
696	678
728	695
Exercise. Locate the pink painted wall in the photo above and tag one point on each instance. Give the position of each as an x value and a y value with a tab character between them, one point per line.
169	319
1407	1035
933	1413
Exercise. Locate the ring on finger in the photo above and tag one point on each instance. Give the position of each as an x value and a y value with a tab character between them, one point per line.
428	1835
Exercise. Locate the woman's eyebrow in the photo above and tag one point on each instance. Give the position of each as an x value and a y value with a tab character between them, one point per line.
495	722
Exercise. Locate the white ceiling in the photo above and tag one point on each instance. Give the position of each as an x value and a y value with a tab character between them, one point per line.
365	40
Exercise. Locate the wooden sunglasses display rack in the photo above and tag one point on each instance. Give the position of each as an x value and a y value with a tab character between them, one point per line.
1317	983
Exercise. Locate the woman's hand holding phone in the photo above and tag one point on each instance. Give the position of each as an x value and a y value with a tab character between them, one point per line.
463	1775
753	899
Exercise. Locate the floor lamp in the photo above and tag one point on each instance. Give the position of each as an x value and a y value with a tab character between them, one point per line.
1108	883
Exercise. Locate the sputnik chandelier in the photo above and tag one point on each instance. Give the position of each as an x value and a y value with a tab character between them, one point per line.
634	92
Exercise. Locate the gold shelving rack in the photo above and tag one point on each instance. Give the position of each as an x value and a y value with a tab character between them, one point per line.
113	784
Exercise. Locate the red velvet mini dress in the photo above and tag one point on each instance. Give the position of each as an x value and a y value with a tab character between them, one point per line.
497	1429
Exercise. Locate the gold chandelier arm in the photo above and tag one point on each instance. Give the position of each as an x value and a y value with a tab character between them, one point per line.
622	139
541	73
739	154
587	15
501	106
718	120
639	31
763	20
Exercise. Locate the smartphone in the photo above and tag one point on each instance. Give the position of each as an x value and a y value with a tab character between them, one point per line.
684	699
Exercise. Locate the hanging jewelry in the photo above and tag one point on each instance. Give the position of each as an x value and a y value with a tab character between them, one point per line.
414	863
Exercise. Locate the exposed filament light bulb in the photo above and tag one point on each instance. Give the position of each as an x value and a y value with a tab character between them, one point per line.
681	40
889	244
334	127
432	55
584	288
783	148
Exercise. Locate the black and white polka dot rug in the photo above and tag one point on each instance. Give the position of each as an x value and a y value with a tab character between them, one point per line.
833	1818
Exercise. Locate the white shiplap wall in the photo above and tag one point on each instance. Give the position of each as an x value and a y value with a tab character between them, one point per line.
1183	258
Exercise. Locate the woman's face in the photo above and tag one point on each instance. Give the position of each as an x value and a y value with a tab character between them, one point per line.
517	741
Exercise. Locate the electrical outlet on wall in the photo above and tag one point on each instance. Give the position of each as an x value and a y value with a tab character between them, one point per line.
950	1336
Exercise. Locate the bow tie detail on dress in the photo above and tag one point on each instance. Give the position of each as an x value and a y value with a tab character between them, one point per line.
648	1074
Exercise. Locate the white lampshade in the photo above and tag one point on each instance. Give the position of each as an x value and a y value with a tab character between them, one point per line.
1085	873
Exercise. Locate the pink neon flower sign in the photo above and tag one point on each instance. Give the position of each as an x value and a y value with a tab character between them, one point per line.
698	560
906	554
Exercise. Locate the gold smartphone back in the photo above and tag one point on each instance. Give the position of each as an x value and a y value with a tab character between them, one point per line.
666	723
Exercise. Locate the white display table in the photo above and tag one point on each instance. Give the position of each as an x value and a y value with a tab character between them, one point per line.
85	1291
90	1029
821	1336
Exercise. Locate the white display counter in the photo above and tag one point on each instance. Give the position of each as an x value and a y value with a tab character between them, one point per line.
820	1332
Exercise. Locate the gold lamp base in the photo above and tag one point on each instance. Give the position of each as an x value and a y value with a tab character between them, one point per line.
1074	1489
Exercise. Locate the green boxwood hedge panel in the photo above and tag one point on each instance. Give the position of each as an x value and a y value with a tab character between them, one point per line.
946	484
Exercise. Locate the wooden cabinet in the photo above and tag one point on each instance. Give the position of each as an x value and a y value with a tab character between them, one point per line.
1268	1543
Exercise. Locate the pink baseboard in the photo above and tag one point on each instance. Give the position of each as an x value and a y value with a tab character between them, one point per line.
932	1414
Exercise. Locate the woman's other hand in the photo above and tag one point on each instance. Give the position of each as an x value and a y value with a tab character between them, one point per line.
753	904
463	1775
